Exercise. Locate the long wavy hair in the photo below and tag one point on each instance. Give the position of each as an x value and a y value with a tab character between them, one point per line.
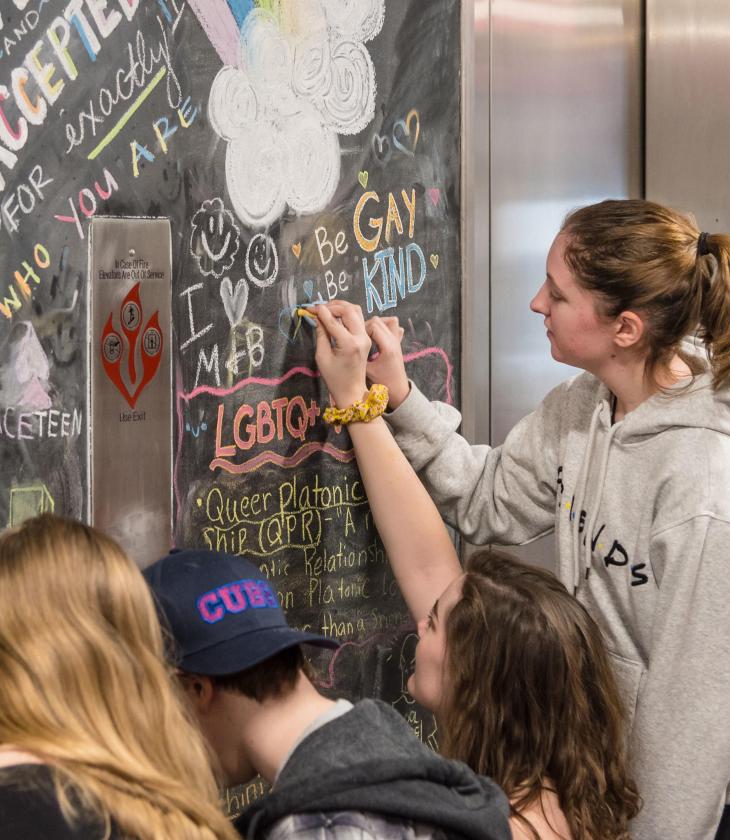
639	255
531	699
84	687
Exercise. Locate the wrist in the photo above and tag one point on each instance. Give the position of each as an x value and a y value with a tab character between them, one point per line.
397	394
371	406
346	397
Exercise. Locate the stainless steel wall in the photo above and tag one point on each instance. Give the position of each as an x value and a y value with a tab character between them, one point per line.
688	107
561	85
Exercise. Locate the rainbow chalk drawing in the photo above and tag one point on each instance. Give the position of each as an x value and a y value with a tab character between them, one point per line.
220	26
301	75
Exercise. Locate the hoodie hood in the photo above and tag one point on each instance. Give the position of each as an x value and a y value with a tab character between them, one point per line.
369	760
694	405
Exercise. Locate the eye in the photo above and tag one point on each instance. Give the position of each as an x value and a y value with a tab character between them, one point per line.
555	296
429	621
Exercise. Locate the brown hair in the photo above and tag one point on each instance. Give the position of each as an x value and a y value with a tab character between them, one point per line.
531	698
640	256
84	686
274	677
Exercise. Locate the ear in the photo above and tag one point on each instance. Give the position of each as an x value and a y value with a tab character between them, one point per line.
629	329
199	690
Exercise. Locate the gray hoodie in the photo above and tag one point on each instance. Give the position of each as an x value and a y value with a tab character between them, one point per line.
641	515
365	775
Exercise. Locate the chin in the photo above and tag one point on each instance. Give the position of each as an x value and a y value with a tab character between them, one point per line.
427	702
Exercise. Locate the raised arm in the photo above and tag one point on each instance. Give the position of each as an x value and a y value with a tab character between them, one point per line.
421	553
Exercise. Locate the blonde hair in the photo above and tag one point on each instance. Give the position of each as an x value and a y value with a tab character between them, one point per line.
83	686
641	256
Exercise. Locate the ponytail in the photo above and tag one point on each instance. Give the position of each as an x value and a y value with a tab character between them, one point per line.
712	275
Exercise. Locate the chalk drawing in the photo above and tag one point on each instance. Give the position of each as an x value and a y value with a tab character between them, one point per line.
24	376
214	240
29	501
303	76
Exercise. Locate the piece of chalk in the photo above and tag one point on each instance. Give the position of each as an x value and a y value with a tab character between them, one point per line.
305	313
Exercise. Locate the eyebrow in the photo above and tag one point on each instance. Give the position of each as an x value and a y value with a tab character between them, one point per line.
551	279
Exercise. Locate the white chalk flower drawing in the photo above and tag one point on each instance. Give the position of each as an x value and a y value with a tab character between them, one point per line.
214	240
302	79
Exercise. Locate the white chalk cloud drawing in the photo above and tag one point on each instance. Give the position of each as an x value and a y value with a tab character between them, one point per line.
304	77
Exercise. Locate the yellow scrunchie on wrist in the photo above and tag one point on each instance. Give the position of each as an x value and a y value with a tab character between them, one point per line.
362	411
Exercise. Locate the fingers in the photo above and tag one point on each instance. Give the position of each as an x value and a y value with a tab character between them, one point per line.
349	313
386	335
389	324
324	343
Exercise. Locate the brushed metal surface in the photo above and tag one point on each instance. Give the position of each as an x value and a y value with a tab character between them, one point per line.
130	482
565	131
475	220
688	107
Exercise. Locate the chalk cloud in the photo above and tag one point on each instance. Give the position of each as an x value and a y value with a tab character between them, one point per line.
304	77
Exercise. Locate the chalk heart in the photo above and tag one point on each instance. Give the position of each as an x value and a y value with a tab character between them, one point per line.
381	148
297	249
434	194
362	177
434	260
234	302
411	129
308	288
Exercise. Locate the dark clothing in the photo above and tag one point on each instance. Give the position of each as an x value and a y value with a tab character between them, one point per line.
368	765
723	830
29	809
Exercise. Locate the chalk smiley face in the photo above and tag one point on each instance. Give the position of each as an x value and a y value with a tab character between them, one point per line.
214	241
262	260
215	236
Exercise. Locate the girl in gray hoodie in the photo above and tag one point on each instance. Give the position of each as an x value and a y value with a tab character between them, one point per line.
629	464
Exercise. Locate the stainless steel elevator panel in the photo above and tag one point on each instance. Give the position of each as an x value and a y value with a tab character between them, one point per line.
688	108
130	485
475	220
565	131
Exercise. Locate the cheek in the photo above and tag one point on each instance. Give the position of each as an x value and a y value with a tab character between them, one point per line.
426	683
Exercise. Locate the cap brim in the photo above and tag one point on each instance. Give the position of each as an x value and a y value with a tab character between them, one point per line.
249	649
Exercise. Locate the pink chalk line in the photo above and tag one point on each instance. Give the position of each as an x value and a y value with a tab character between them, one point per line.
270	457
343	455
330	681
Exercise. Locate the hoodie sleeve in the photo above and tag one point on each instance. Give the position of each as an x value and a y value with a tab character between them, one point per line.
504	494
681	735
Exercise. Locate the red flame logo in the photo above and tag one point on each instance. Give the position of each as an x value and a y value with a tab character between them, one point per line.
114	347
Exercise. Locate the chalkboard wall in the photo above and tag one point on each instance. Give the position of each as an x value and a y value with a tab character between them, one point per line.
302	150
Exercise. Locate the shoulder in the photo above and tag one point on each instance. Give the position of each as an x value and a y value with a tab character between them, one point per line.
546	817
29	809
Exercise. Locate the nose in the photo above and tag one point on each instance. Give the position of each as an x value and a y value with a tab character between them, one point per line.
541	302
422	627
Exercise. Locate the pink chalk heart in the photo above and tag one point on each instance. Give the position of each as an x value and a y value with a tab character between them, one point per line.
434	194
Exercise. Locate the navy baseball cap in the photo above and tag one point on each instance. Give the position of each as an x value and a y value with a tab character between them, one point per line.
223	614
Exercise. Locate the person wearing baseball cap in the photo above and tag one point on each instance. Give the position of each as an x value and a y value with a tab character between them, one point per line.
338	771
